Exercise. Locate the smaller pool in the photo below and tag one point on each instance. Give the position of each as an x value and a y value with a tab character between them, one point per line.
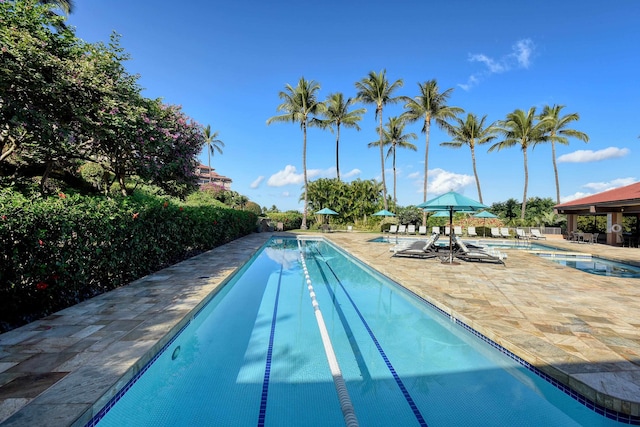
595	265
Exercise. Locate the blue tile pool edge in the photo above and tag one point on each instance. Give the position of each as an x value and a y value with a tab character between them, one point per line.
596	407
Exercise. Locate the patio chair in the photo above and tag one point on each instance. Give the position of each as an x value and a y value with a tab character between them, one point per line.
457	230
521	235
447	230
465	253
495	232
420	249
411	229
471	232
504	232
423	230
393	229
535	234
402	229
279	226
435	230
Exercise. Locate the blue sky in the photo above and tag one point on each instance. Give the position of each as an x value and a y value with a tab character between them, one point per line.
225	62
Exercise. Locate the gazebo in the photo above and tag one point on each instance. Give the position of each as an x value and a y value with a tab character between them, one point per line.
613	203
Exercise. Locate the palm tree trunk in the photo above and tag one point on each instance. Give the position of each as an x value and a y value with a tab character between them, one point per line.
395	199
337	151
384	182
555	170
209	156
526	182
427	128
475	172
304	168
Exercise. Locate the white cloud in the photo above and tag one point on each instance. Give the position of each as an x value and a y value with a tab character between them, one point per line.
441	181
598	187
285	177
414	175
520	57
285	194
352	173
585	156
523	49
492	66
257	182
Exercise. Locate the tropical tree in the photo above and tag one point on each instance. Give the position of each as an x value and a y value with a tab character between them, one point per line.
429	105
471	132
521	129
394	138
376	89
66	6
557	132
213	144
300	104
337	113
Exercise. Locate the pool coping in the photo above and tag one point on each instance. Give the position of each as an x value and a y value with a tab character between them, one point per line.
72	349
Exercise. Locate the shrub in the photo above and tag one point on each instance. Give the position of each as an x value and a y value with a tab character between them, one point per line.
58	251
290	220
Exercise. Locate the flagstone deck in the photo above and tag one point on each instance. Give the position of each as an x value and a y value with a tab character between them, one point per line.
582	329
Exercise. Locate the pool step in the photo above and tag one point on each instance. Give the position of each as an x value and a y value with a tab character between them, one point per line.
560	254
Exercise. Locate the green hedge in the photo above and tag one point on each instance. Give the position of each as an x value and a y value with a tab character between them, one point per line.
58	251
289	220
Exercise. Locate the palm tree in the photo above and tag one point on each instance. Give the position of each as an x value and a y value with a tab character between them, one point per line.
429	105
521	129
66	6
213	144
394	138
337	113
471	132
376	89
557	132
301	105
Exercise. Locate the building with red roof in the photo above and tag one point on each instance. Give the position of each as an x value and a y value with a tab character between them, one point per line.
208	175
616	203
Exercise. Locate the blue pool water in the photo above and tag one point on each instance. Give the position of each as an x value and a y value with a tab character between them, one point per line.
254	356
595	265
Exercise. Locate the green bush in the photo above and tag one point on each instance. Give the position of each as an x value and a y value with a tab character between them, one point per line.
58	251
290	220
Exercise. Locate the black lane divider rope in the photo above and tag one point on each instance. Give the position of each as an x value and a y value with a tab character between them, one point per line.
267	370
403	389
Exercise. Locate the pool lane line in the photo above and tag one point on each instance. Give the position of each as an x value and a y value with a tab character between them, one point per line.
399	382
346	405
267	371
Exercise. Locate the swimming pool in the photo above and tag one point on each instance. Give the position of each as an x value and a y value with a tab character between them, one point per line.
594	265
254	355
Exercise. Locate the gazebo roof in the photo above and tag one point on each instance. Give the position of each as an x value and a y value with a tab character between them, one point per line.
622	199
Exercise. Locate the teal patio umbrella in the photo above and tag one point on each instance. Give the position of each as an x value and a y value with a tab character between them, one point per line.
484	215
326	211
383	212
452	202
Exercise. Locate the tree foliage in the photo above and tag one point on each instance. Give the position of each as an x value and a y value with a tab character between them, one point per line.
65	102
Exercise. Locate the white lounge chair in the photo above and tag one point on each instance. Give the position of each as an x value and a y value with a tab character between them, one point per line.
423	230
465	253
435	230
411	229
402	229
521	235
457	230
471	232
495	232
419	249
504	232
393	229
447	230
535	234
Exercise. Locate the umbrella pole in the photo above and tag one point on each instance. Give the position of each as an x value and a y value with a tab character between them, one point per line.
451	236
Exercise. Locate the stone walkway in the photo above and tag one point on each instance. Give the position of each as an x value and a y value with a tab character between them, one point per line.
581	329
